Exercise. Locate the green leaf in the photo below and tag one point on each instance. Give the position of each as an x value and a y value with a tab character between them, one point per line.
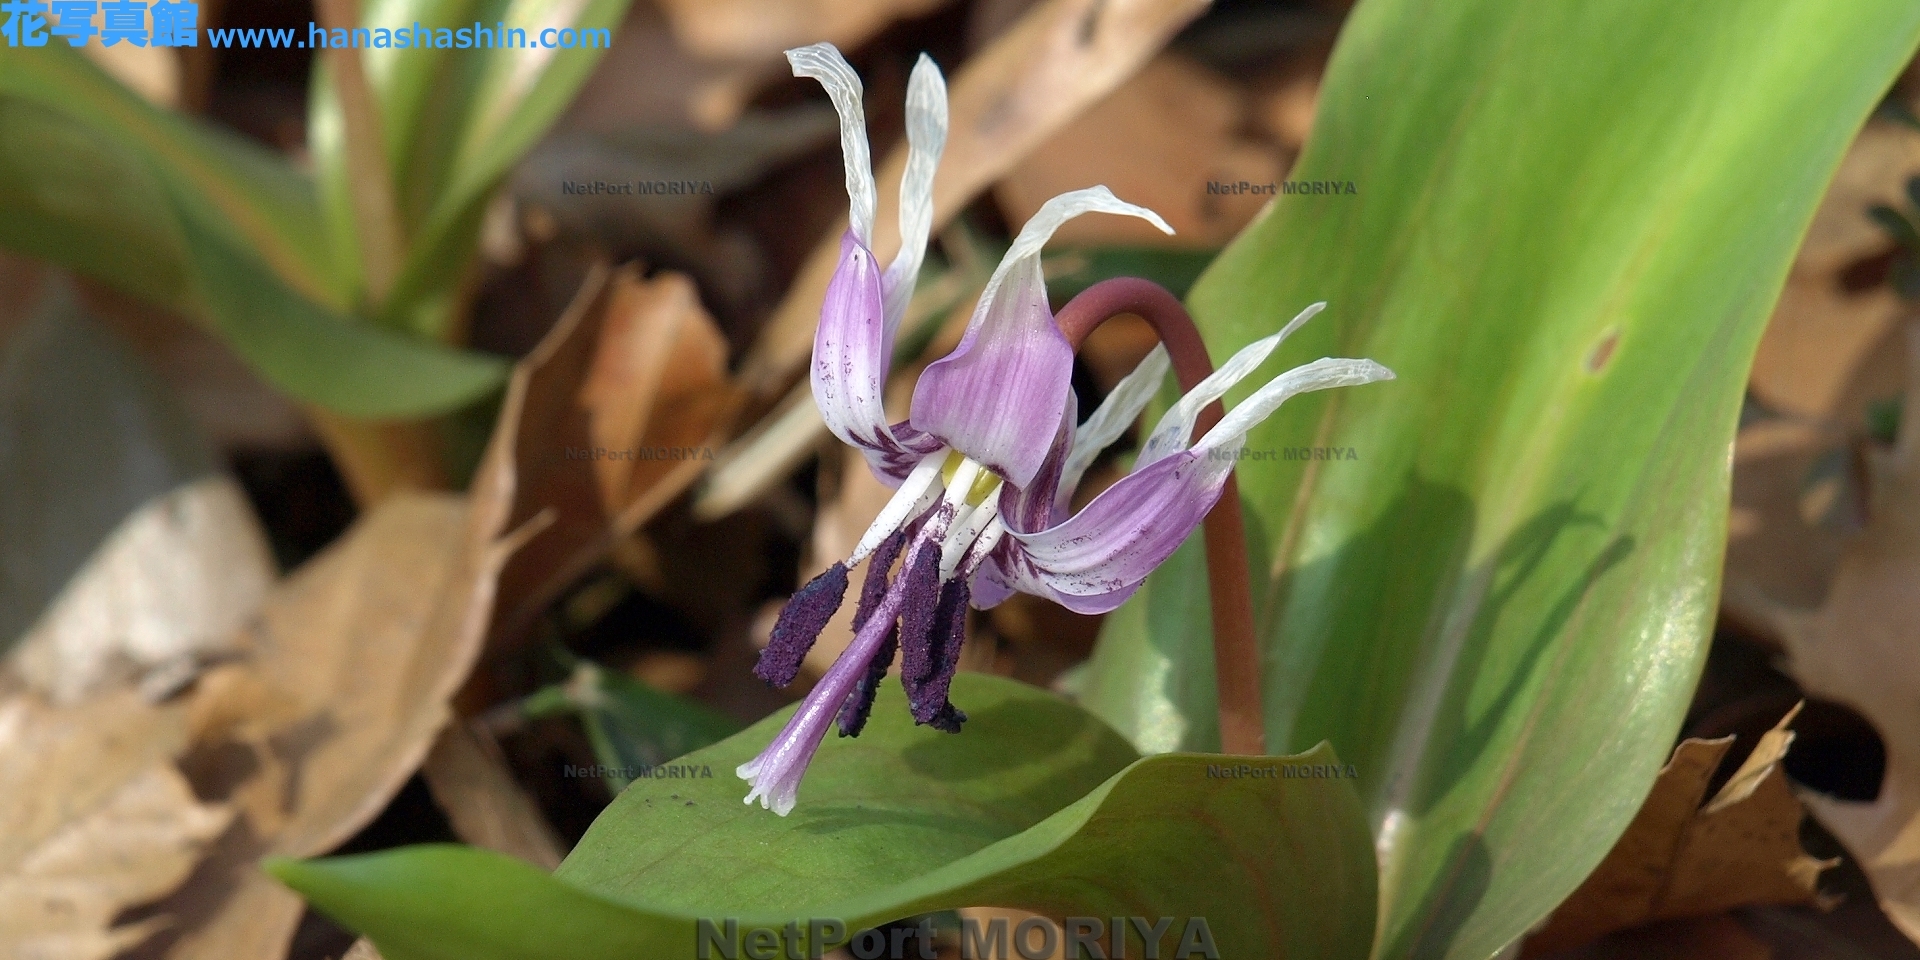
88	173
322	357
630	724
93	177
1571	222
417	103
1035	805
455	122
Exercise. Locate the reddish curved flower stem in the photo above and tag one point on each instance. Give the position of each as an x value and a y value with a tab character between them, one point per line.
1236	658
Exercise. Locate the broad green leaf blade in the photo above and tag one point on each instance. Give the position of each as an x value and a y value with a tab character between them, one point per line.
1035	805
1570	222
319	356
87	170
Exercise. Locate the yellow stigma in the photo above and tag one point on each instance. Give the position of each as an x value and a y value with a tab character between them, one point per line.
984	482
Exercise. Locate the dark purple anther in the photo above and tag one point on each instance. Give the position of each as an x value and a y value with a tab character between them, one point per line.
949	633
800	623
920	584
874	588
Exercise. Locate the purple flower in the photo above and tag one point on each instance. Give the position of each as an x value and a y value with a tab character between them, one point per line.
987	461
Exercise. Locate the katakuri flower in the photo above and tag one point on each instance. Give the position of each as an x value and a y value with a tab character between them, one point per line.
987	461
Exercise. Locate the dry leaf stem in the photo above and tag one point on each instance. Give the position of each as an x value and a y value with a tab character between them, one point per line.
1236	658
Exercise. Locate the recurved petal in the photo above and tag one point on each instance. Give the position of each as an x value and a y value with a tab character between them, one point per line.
823	62
999	396
1326	373
1176	425
1094	560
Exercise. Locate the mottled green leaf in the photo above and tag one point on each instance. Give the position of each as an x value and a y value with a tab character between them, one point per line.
1034	805
1570	223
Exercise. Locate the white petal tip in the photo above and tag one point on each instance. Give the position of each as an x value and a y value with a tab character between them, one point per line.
800	57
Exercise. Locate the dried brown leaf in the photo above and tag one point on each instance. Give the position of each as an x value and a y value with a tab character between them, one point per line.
1859	649
1062	57
1785	530
1830	351
655	383
471	782
93	819
1158	141
350	672
1718	937
1874	171
1681	859
649	77
745	29
631	358
169	588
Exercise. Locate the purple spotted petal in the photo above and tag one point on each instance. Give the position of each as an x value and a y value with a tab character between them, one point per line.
991	587
800	623
1042	503
850	349
899	451
1096	559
